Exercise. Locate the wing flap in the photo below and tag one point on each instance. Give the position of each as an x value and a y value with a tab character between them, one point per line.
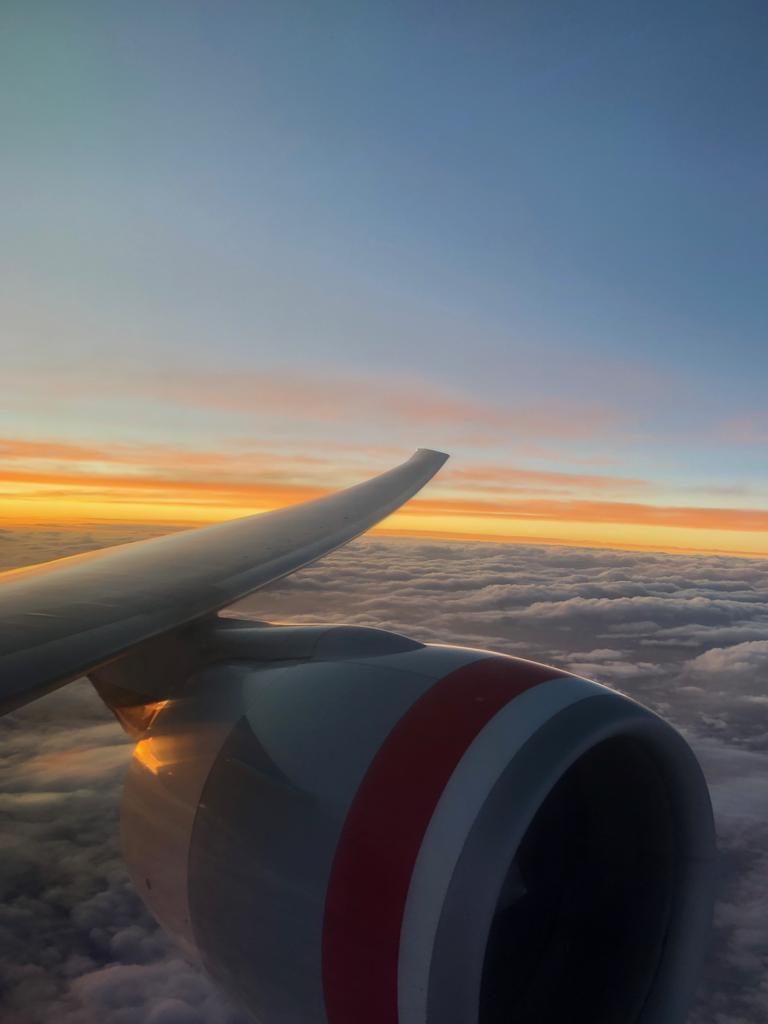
64	618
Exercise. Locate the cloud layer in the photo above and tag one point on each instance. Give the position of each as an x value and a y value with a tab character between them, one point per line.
686	635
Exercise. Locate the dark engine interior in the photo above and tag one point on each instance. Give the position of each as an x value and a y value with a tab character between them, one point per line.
582	917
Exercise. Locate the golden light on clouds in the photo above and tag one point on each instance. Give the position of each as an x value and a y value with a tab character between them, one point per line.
558	531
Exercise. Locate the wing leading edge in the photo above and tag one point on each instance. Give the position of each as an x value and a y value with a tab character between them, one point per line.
61	619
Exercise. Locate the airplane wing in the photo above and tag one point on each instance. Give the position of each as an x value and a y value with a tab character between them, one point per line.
62	619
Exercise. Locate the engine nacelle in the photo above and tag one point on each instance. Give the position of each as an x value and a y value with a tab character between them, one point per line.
349	827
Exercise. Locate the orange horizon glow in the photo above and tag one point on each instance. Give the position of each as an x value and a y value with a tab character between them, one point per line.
71	485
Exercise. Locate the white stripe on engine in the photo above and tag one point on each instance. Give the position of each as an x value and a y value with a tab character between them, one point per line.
467	789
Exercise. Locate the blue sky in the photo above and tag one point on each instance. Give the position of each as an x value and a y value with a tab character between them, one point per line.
527	205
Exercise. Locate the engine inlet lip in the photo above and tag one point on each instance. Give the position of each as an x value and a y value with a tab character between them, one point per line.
456	971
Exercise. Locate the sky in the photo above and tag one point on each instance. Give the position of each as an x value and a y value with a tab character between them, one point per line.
685	634
256	251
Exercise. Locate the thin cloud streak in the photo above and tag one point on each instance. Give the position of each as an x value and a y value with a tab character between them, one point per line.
688	517
164	455
325	398
276	464
499	476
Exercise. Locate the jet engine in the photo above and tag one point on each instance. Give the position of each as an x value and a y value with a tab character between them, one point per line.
345	826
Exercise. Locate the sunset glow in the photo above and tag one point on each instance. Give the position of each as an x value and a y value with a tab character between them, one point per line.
71	484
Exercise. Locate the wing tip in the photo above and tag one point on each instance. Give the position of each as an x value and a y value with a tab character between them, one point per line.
430	461
438	457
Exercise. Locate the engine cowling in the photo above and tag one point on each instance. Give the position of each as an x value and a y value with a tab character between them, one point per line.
348	827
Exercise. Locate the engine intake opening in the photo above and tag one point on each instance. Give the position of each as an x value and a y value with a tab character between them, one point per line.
581	919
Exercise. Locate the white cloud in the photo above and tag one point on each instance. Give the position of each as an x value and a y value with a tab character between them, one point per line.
742	662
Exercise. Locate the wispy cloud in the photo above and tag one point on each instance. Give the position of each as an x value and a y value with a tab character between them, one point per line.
584	511
337	399
498	477
749	430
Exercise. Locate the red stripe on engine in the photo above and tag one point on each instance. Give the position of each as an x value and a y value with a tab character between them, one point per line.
385	828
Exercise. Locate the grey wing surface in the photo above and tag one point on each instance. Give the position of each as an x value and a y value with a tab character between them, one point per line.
62	619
